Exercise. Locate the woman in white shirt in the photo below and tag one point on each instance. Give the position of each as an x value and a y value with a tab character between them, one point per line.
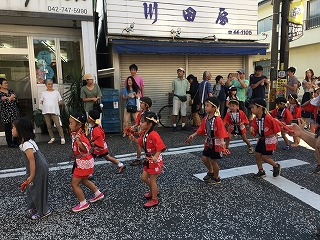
51	99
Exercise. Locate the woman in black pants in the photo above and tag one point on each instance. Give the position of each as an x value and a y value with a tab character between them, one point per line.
9	111
194	86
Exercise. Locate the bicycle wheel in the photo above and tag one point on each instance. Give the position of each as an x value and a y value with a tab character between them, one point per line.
165	116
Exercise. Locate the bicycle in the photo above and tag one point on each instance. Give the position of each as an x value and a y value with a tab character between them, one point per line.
165	114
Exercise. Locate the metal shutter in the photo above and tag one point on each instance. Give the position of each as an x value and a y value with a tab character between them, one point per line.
157	71
216	64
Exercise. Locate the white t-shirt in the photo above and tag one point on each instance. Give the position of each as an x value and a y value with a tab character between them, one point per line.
29	144
50	101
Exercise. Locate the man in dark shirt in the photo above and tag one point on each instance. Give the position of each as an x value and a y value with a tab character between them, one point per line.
259	83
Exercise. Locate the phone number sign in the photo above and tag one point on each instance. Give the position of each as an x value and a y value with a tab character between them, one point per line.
68	7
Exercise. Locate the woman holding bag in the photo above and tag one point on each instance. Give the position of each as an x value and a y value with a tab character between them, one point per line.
130	94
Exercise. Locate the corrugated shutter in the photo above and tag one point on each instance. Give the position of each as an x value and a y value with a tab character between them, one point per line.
157	71
217	65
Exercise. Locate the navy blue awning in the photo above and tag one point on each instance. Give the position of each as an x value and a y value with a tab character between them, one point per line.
201	48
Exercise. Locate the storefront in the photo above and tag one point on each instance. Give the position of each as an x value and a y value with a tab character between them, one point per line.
42	39
161	36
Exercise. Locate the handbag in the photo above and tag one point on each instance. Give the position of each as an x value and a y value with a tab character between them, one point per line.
131	109
181	98
191	101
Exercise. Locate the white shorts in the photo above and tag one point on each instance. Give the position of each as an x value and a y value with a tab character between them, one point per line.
178	105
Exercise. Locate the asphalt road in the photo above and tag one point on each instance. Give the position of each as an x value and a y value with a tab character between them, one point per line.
241	207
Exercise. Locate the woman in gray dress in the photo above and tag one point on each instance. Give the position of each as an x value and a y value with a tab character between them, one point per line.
36	184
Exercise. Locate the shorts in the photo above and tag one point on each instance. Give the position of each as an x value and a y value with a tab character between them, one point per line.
98	155
78	176
178	105
153	168
211	153
261	148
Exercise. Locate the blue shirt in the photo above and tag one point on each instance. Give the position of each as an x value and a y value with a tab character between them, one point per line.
130	101
208	90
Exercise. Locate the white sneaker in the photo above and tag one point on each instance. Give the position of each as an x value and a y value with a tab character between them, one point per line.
51	140
63	141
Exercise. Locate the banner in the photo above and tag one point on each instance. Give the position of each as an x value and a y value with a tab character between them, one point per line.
296	12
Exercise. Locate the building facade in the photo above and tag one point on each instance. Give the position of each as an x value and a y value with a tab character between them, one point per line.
303	52
44	39
159	37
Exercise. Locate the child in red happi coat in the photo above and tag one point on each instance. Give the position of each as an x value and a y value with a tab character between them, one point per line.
212	126
295	109
283	114
267	128
235	122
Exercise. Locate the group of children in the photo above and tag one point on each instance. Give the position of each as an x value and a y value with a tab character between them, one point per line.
89	144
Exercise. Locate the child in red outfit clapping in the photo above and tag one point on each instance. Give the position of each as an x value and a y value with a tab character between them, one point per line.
153	146
295	109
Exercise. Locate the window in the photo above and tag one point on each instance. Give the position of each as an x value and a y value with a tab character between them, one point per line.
313	15
13	41
45	56
70	60
265	24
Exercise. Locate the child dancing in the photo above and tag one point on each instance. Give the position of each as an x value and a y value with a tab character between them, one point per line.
98	140
295	109
153	146
37	167
283	114
84	163
145	105
236	121
213	127
265	126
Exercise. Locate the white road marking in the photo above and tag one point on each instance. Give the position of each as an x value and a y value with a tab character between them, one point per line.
310	198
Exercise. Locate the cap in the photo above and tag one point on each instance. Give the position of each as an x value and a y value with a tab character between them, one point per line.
295	97
291	69
87	76
232	88
79	117
182	69
151	116
241	70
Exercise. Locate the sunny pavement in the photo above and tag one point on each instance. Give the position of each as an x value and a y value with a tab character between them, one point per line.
239	208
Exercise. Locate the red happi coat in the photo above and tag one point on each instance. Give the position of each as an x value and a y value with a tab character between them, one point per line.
138	117
98	136
242	119
271	128
296	113
84	159
285	118
219	131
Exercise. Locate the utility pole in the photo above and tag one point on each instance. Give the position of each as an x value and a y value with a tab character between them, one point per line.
274	53
284	42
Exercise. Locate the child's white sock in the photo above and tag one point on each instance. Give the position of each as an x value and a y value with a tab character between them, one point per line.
174	125
83	202
120	164
97	193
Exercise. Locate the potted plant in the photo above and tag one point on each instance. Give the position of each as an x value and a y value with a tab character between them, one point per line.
38	119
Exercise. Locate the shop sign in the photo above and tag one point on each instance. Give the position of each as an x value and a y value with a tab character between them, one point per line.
67	7
216	19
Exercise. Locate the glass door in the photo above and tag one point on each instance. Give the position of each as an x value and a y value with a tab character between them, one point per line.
15	68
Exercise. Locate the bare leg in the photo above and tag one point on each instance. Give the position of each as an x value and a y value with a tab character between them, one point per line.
207	163
215	167
174	119
111	159
245	139
258	157
318	150
228	140
138	151
267	159
184	119
154	186
75	182
89	184
145	178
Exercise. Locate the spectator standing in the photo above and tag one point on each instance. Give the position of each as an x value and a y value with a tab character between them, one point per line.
241	84
130	93
259	83
90	93
293	82
194	93
205	88
307	85
221	91
51	99
133	71
9	111
180	87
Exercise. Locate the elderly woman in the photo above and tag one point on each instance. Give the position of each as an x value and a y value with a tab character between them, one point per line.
9	111
51	99
90	93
